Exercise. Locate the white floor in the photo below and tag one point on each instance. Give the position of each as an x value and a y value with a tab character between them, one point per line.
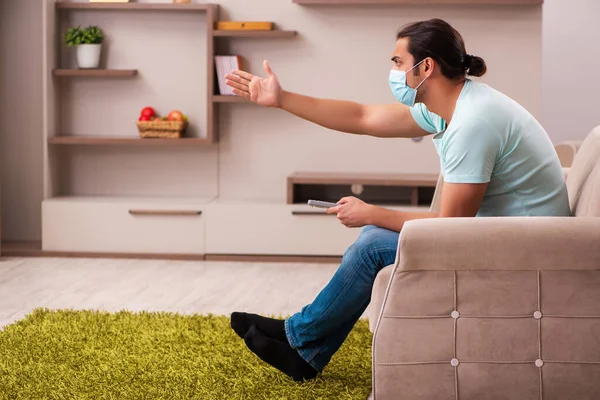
157	285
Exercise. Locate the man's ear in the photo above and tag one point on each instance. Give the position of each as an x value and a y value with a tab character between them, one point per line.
428	66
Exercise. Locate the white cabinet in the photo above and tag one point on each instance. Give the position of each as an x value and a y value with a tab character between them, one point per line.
121	225
275	229
191	227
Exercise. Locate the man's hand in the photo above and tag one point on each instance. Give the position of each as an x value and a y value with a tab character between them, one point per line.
263	91
352	212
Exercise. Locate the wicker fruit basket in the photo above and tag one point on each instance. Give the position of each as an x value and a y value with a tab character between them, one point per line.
162	129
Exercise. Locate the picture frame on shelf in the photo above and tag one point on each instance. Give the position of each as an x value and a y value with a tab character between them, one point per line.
244	25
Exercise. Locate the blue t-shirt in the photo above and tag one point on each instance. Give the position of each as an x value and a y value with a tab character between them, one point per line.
491	138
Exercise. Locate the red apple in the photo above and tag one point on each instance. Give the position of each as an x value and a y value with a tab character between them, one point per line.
145	118
175	116
148	112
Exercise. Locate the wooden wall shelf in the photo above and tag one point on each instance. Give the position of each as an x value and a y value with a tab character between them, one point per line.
64	5
217	98
340	178
212	39
406	189
420	2
254	34
96	73
209	11
96	140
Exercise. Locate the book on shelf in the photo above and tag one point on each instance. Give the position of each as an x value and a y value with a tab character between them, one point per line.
225	65
243	25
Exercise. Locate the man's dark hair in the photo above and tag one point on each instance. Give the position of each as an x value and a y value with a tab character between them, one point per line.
437	39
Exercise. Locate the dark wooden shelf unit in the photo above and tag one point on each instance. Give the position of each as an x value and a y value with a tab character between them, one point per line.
420	2
64	5
255	34
392	189
136	141
217	98
209	9
95	73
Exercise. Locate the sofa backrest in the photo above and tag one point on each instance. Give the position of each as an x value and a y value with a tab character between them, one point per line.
583	180
566	152
437	195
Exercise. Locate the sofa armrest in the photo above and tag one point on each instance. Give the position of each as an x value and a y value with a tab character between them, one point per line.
500	243
475	306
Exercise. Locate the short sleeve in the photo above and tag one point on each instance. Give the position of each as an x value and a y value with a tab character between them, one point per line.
469	153
427	120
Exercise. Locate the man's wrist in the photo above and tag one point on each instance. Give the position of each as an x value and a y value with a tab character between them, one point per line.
373	214
384	217
283	96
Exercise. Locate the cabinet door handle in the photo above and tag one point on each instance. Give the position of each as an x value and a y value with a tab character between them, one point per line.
297	212
165	212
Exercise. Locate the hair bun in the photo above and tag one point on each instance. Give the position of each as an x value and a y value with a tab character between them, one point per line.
467	61
475	66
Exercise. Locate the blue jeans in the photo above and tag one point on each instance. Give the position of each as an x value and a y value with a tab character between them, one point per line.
319	330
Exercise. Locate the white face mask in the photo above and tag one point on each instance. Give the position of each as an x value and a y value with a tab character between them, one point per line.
402	92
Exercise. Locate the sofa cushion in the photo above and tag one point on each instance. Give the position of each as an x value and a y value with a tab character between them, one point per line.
566	152
583	181
492	335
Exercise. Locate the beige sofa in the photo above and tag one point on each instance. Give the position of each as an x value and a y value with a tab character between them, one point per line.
495	308
566	152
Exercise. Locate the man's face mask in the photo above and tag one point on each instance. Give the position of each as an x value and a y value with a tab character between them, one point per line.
402	92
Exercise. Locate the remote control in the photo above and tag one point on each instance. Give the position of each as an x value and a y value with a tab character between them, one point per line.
321	204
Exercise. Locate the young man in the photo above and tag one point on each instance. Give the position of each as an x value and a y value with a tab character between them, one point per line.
495	157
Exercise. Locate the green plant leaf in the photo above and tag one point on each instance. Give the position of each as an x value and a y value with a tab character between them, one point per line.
73	36
93	35
90	35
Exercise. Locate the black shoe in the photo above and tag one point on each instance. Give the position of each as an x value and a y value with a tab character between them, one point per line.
279	355
273	328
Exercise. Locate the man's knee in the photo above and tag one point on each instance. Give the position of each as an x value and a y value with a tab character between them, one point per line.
374	249
368	228
371	234
370	237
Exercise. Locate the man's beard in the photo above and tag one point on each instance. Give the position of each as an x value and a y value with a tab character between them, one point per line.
421	94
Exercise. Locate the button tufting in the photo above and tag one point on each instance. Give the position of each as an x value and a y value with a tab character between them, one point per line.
537	315
455	314
539	363
454	362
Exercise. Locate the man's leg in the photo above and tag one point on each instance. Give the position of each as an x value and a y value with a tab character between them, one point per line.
317	332
275	328
321	327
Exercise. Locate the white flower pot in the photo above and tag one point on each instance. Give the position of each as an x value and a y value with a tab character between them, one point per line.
88	55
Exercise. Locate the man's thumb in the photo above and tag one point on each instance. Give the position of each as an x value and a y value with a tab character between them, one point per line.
267	68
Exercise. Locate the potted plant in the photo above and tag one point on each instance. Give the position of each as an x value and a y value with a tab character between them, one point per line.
88	42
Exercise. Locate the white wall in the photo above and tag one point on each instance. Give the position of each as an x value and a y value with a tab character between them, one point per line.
344	53
340	52
571	62
21	118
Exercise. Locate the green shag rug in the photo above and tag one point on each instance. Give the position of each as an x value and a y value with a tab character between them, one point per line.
97	355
